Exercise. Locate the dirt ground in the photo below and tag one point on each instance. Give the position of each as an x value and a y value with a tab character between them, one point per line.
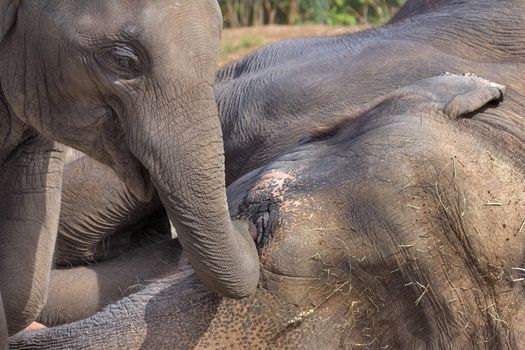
238	42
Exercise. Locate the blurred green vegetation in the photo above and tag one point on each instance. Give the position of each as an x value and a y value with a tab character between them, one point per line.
332	12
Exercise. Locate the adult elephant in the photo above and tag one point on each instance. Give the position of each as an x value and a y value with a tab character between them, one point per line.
273	98
382	230
131	84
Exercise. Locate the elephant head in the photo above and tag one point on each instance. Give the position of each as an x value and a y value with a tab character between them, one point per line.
130	83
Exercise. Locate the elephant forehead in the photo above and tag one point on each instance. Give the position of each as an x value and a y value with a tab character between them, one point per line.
97	18
92	20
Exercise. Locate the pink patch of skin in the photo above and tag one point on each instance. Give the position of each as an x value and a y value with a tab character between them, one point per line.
291	205
275	180
34	327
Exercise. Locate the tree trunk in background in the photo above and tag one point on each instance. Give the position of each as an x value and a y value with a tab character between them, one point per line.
365	14
232	14
258	13
271	11
293	11
245	13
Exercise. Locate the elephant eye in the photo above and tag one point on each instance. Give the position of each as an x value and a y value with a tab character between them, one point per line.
122	60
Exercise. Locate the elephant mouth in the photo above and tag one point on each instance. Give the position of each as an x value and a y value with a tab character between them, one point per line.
136	177
121	159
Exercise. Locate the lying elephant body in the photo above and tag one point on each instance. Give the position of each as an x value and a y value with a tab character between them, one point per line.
373	233
94	75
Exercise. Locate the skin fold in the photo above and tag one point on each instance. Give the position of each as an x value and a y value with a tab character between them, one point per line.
276	97
372	233
129	83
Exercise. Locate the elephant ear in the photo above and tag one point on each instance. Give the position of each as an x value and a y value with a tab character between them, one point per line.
472	94
8	12
457	95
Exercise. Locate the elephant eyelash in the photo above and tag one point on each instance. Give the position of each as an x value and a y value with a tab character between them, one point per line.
121	60
125	63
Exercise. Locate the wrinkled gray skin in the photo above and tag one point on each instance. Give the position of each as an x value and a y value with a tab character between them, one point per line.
130	83
273	98
424	178
374	233
405	188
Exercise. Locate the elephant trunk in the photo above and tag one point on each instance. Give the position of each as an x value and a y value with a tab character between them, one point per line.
182	149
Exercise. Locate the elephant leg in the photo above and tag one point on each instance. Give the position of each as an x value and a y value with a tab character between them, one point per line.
30	187
3	326
79	292
96	205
